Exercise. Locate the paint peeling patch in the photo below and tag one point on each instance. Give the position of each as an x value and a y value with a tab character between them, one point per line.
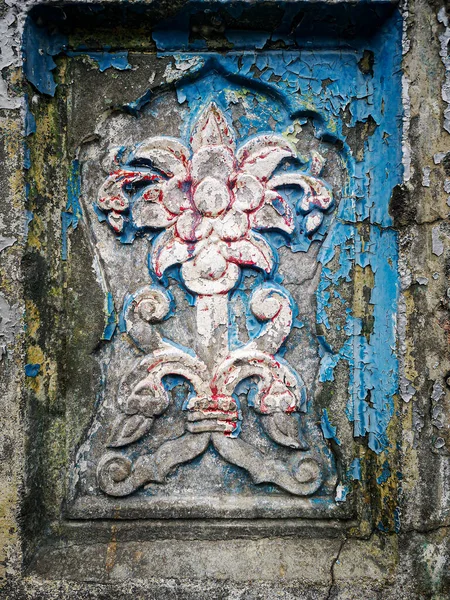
73	212
9	324
328	430
375	369
439	157
406	119
32	370
437	409
110	317
181	67
6	242
437	245
8	53
354	470
30	121
105	60
39	48
444	54
447	190
426	171
422	280
341	493
385	473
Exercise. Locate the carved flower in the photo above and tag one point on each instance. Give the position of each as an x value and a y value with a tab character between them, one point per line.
211	200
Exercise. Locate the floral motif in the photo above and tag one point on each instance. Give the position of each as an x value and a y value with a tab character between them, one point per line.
212	200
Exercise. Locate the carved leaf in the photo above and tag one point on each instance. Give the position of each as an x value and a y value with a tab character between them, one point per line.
212	129
128	429
117	476
316	193
313	221
166	154
253	251
274	214
283	428
304	480
212	161
169	250
260	156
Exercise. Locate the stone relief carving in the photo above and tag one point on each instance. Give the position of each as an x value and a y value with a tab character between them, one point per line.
212	200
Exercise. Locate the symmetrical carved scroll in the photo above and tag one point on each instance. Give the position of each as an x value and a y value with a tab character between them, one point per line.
211	200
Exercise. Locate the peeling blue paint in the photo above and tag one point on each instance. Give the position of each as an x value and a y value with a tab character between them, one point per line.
385	473
30	121
26	157
105	59
73	212
354	470
247	39
382	527
110	317
328	430
180	347
39	48
32	370
135	106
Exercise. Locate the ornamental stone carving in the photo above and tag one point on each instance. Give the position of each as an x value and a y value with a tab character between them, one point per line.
212	201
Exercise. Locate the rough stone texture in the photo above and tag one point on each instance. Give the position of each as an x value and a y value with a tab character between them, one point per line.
344	560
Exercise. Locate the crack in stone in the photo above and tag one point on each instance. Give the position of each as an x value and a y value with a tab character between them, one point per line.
333	564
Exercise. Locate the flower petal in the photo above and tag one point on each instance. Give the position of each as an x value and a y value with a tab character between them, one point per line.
248	192
111	196
274	214
166	154
253	251
212	161
192	226
169	250
232	225
212	129
175	196
260	156
150	214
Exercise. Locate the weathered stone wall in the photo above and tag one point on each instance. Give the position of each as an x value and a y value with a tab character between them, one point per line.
398	547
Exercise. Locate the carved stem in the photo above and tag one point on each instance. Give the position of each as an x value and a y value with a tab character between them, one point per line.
212	324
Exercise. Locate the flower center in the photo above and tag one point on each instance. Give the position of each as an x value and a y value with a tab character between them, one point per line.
211	197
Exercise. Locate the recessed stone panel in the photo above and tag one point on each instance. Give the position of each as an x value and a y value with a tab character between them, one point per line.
225	269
